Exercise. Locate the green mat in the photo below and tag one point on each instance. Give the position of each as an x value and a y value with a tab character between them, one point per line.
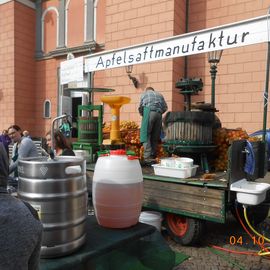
119	260
140	247
143	255
179	258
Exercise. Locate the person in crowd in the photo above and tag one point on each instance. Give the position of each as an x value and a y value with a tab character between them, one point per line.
61	146
152	106
65	128
20	228
26	134
4	138
23	147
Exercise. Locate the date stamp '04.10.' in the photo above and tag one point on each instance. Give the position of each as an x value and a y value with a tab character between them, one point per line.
240	240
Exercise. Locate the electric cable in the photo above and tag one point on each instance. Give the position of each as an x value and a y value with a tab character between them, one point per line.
248	223
263	252
236	252
247	231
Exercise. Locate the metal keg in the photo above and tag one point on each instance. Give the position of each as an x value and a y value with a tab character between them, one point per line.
56	188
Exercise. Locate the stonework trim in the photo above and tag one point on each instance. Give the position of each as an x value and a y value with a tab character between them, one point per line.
85	21
42	26
66	21
88	22
27	3
5	1
24	2
95	19
60	52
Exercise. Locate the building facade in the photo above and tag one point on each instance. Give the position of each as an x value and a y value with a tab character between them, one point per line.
36	36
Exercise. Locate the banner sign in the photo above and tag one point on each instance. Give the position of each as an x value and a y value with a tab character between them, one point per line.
233	35
71	70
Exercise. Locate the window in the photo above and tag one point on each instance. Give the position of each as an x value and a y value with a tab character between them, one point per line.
47	109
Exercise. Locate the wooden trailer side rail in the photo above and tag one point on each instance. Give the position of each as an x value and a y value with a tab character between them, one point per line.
199	202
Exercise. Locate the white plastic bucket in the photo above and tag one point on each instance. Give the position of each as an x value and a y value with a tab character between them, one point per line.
151	218
167	162
183	163
82	153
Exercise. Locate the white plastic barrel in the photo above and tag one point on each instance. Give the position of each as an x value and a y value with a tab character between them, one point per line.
117	190
151	218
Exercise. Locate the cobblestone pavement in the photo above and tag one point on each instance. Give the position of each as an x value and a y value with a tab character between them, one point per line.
203	256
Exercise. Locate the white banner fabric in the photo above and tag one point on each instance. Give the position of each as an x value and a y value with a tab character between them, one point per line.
233	35
71	70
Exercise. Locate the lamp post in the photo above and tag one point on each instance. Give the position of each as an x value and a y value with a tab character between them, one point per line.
213	60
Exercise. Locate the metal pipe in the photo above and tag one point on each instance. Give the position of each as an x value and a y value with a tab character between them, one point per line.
266	93
213	72
266	82
186	57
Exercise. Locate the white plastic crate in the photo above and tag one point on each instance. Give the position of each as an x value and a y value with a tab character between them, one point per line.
175	172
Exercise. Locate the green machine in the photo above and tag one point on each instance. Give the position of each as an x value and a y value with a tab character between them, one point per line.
89	123
189	132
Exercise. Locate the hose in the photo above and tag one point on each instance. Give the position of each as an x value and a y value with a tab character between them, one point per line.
261	252
235	251
246	230
249	225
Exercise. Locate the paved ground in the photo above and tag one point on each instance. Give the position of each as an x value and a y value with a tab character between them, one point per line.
203	257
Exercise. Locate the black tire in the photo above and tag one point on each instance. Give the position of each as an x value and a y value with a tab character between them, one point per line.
183	230
256	213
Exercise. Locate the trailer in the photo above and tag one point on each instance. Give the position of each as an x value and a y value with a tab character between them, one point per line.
186	203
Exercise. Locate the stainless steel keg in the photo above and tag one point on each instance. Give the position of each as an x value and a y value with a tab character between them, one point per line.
57	190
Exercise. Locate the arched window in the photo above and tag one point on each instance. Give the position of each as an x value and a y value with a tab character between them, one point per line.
47	109
49	29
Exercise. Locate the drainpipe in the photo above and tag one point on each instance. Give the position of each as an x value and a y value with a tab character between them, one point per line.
266	78
186	57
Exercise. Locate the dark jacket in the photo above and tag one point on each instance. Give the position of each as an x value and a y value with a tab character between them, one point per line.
3	166
67	152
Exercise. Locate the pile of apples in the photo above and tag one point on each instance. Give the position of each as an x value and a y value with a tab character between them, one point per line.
223	138
130	135
128	125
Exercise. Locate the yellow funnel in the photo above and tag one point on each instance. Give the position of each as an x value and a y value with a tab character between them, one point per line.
115	102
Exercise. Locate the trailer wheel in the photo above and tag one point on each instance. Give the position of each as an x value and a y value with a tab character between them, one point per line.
256	214
183	230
